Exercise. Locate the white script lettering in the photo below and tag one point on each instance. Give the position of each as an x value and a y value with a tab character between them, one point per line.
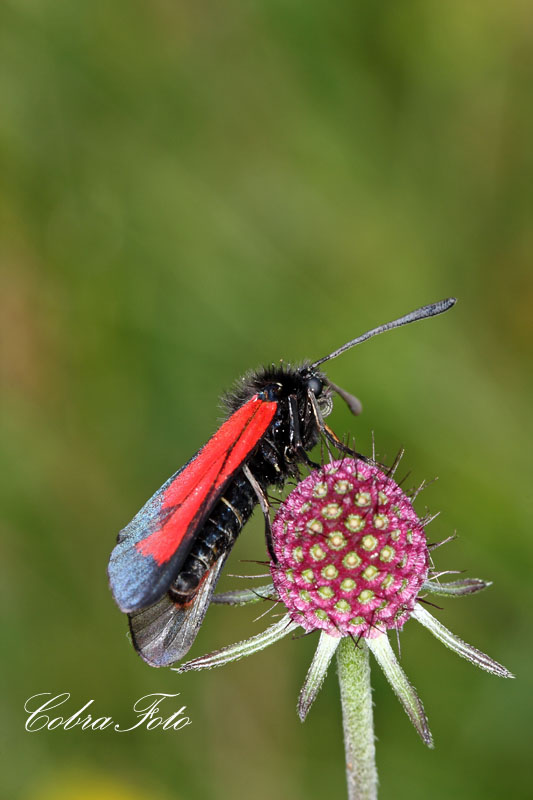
147	710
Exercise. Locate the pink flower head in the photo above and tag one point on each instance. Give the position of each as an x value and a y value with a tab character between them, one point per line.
351	552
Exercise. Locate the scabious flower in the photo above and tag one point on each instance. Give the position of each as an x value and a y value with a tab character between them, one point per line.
351	552
353	562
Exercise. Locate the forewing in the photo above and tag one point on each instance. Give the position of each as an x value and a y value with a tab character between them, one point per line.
152	548
164	632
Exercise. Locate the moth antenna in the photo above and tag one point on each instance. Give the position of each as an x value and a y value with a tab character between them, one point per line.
353	403
420	313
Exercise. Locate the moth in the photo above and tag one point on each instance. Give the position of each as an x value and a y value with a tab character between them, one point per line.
167	560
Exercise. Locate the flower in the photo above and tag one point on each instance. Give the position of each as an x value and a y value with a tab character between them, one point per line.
351	552
353	562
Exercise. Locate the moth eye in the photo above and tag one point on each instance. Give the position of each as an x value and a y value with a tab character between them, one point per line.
315	385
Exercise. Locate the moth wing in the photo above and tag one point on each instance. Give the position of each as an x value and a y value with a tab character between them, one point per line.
164	632
151	550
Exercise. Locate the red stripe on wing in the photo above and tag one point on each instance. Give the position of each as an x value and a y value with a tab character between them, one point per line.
206	476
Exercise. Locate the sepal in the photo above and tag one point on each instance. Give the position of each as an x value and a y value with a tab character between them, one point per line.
405	692
242	597
455	588
456	644
248	647
324	652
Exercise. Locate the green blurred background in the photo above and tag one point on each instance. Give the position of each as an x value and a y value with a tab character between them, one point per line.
189	190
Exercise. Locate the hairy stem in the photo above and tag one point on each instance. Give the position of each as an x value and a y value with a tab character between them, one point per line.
357	716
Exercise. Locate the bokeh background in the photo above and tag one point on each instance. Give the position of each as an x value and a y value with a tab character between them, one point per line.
189	190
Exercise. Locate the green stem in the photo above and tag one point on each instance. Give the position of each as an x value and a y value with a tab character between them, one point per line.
357	716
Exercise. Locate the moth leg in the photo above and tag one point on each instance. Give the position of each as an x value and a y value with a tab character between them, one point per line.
330	435
265	508
295	437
